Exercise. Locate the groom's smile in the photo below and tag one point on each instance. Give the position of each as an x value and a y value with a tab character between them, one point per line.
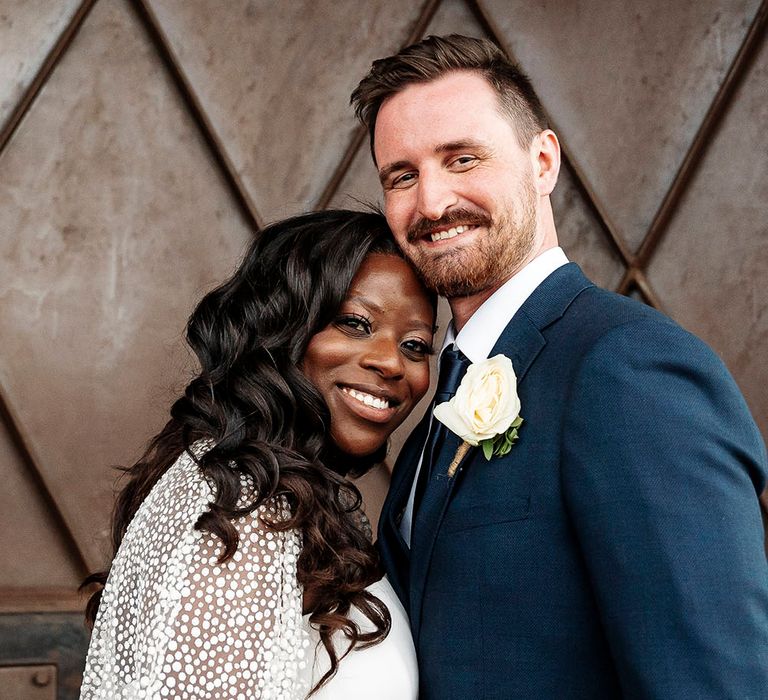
452	232
451	225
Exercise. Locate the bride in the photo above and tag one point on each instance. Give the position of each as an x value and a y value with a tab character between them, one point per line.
244	566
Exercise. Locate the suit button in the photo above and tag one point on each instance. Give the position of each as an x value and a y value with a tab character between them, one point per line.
399	516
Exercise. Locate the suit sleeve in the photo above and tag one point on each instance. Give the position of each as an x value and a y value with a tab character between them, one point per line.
663	465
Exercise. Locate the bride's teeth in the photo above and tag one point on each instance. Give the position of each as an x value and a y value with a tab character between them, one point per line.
367	399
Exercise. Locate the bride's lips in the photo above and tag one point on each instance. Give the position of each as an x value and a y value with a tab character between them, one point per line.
368	402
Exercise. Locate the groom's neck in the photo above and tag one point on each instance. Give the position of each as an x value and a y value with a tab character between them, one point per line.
462	308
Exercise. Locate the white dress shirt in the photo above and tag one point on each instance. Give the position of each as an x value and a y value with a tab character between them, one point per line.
484	328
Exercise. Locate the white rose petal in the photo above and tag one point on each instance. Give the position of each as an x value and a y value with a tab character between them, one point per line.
485	403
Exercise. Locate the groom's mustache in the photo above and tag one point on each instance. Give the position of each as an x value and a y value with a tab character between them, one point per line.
425	227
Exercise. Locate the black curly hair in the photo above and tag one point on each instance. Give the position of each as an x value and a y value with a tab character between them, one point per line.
262	415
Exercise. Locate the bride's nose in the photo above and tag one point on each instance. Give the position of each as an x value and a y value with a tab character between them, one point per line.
383	355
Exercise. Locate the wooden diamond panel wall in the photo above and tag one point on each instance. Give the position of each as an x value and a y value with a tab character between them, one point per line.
142	142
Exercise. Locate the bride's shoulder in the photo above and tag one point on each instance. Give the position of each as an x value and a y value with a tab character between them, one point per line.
183	487
187	481
185	492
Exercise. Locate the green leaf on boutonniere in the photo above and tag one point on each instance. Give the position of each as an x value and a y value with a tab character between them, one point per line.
502	444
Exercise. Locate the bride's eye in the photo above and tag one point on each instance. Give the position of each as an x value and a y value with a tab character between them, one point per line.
354	323
417	348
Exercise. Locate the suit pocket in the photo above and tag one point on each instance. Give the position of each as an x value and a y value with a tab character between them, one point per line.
468	518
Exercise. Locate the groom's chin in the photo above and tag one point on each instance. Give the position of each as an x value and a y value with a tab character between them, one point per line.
453	280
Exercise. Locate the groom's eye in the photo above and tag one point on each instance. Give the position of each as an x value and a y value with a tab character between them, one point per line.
402	181
464	162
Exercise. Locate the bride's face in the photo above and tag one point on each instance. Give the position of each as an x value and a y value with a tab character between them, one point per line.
371	364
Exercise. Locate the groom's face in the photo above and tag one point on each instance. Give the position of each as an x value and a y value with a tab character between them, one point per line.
458	188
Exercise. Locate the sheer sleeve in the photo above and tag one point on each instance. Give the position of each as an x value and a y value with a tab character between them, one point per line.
173	623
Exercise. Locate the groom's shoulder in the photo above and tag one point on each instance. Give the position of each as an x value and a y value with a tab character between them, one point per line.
568	301
596	310
599	317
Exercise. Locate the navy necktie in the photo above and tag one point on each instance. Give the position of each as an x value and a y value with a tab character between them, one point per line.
453	366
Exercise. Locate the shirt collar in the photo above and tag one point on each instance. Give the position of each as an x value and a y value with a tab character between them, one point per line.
485	326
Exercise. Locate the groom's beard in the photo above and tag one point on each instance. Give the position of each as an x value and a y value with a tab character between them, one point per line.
488	262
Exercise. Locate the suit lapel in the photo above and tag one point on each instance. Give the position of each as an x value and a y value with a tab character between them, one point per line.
521	341
394	551
427	522
405	471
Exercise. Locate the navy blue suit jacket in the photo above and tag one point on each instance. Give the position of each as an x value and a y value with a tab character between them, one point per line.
617	550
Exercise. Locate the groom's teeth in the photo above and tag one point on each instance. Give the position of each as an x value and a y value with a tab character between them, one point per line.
450	233
367	399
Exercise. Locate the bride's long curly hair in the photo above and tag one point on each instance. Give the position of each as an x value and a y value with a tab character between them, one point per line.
266	420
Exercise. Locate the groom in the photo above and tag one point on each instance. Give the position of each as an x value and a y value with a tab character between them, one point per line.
617	549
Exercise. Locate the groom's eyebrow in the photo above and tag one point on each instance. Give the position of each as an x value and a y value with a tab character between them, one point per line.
387	170
460	145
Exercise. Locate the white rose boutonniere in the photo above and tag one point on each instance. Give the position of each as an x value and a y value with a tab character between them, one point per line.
485	411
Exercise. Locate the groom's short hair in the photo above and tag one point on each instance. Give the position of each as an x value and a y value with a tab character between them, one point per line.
436	56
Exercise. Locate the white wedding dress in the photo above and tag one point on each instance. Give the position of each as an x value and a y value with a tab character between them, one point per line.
173	623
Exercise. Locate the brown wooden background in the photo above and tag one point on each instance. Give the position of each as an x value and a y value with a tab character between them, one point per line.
142	142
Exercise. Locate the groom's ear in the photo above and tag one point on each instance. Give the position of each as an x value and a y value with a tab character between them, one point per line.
545	154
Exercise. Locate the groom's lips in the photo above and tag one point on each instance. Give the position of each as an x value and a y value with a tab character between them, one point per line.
447	228
446	233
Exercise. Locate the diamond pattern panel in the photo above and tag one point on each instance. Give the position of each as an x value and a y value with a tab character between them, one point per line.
114	221
28	31
454	17
581	234
33	548
711	268
275	78
628	85
360	186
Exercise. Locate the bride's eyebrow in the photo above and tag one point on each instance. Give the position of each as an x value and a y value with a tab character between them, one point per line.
375	308
416	323
364	301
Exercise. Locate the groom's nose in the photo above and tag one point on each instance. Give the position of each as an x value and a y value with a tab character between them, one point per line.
435	195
